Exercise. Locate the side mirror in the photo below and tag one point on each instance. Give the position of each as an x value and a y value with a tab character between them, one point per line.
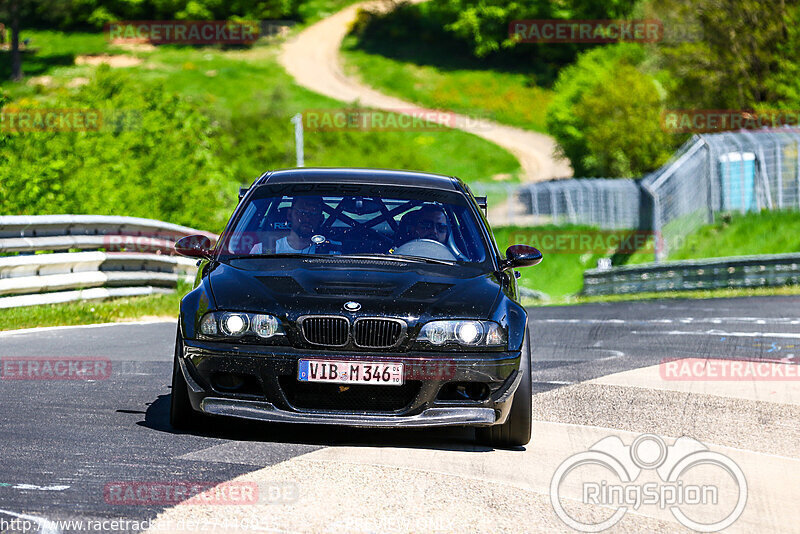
194	246
482	205
521	256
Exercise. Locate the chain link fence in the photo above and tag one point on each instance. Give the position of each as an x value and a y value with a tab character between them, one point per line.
611	203
503	201
725	172
742	171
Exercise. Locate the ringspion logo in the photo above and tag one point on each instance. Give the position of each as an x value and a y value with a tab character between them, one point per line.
704	490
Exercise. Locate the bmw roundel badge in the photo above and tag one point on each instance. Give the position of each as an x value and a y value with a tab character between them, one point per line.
352	306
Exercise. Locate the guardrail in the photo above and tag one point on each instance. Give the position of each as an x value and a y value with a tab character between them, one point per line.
713	273
59	258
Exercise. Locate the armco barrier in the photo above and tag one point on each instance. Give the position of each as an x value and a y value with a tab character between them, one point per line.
136	257
713	273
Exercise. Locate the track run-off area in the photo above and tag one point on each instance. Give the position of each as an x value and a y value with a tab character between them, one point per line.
599	372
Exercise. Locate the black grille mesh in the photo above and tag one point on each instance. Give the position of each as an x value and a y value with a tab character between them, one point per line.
329	331
376	333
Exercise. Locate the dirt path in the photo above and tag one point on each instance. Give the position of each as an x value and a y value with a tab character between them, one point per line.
312	57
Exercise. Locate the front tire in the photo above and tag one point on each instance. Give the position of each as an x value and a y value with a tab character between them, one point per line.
181	414
516	431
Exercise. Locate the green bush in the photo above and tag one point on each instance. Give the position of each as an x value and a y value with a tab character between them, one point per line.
457	34
153	156
95	13
605	114
621	118
484	23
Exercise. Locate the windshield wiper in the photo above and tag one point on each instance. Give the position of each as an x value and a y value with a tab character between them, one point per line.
385	257
273	255
398	257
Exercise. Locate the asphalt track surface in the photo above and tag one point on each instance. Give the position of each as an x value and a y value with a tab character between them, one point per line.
595	371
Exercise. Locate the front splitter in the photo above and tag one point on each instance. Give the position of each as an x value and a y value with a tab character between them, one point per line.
265	411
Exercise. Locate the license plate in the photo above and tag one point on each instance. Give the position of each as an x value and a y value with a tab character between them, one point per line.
339	372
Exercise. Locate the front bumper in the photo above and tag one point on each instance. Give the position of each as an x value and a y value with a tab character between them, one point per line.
272	368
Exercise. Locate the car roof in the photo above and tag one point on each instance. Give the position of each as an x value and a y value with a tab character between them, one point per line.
360	176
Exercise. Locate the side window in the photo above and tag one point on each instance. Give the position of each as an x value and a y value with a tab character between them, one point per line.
237	244
470	236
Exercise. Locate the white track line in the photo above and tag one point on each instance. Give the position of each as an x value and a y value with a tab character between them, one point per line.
681	320
23	331
720	333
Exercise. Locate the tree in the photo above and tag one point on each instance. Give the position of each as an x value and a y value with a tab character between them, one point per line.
16	55
605	114
621	125
741	59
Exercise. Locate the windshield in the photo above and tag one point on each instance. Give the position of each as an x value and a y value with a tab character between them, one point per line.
403	222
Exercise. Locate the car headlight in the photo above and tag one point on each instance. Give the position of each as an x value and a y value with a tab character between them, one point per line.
234	324
239	324
463	332
265	326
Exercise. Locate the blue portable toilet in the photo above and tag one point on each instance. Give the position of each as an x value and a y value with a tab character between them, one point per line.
737	172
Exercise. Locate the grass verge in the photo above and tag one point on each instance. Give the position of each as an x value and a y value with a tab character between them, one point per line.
93	311
559	274
736	234
253	98
508	97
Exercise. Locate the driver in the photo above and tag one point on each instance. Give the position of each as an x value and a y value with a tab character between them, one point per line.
430	222
305	216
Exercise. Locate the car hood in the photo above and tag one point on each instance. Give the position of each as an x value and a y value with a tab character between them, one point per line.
291	288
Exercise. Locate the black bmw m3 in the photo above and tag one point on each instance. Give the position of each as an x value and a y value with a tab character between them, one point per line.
356	297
